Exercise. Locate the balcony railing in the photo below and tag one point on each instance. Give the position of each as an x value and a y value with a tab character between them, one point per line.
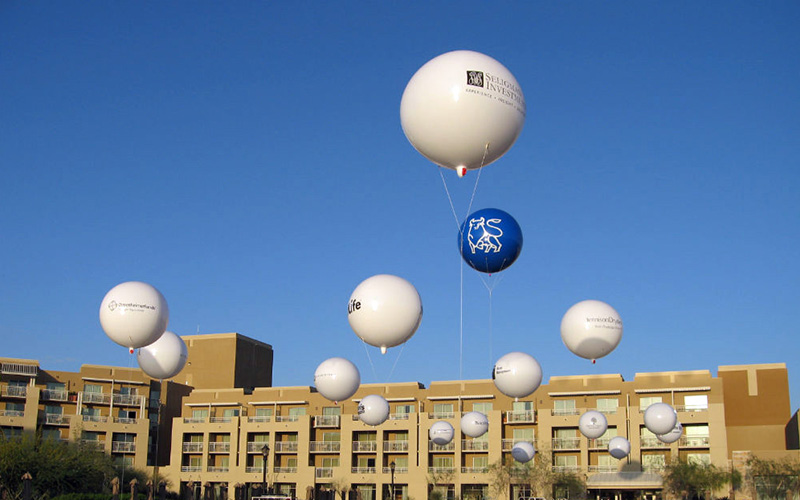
398	446
56	419
397	470
191	468
15	391
604	468
325	446
285	470
509	443
474	445
96	398
125	420
607	411
572	443
260	418
599	443
441	470
694	441
218	468
94	418
53	395
399	416
442	414
653	467
123	447
363	470
19	369
255	446
128	399
324	472
520	417
189	447
323	421
566	468
253	468
94	443
12	413
362	446
195	420
219	447
446	447
690	408
650	442
561	412
220	420
287	418
475	470
286	446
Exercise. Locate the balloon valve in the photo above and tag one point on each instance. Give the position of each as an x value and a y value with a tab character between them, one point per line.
130	350
461	170
383	349
594	361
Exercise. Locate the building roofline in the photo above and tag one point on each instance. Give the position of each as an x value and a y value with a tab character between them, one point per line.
236	335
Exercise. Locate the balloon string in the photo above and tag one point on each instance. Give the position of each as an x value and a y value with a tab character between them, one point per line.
371	364
395	362
461	327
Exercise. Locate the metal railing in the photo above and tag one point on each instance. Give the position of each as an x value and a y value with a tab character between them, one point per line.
285	470
441	470
218	468
325	446
650	442
128	399
561	412
94	418
694	441
219	447
399	416
445	447
399	446
520	417
15	391
323	472
360	446
56	419
123	447
690	408
397	470
255	446
253	468
96	397
54	395
220	420
260	418
189	447
604	468
599	443
286	446
327	421
475	470
362	470
125	420
94	443
571	443
607	411
442	414
509	443
195	420
566	468
474	445
12	413
287	418
19	369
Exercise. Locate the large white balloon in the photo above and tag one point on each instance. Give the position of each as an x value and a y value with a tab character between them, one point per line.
462	110
134	314
337	379
384	311
591	329
672	435
517	374
619	447
164	358
441	432
373	410
474	424
523	451
660	418
593	424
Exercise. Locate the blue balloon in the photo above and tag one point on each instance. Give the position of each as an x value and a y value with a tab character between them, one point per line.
490	240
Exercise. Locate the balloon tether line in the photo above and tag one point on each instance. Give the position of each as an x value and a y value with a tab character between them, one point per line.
395	362
371	364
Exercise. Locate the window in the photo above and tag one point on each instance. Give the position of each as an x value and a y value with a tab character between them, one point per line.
443	409
51	433
330	462
654	461
644	402
607	405
331	437
401	462
570	461
522	435
564	433
93	388
696	430
127	414
522	405
404	409
199	414
90	412
609	433
296	412
332	410
366	491
128	391
482	461
564	407
230	412
15	408
56	386
695	403
484	408
53	410
263	412
443	462
698	458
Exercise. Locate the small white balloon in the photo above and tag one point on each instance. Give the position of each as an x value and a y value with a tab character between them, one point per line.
373	410
593	424
337	379
164	358
441	433
672	435
660	418
619	447
523	451
517	374
384	311
134	314
591	329
474	424
462	110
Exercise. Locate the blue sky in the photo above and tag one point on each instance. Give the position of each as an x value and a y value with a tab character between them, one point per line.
247	159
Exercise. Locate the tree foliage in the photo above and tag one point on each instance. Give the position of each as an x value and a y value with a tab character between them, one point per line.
538	475
689	479
773	479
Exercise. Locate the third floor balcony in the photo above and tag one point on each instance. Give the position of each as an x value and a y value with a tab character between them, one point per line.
325	446
395	446
567	443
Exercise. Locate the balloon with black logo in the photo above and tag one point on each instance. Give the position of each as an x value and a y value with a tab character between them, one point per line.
593	424
134	314
373	410
337	379
462	110
474	424
490	240
517	374
164	358
591	329
441	433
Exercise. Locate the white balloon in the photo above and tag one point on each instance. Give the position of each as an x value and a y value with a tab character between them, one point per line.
384	311
517	374
441	433
164	358
523	451
373	410
619	447
474	424
660	418
337	379
591	329
462	110
593	424
134	314
672	435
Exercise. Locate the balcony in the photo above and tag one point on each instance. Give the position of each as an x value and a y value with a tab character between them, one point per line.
96	398
323	472
474	445
255	446
56	419
94	418
190	447
604	468
19	369
191	468
694	441
218	468
397	470
365	446
15	391
508	444
94	443
521	417
399	416
690	408
287	418
566	468
128	399
327	421
442	414
451	446
12	413
475	470
599	443
53	395
363	470
285	470
651	442
395	446
123	447
219	447
260	418
325	446
564	412
286	447
572	443
220	420
124	420
195	420
441	470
